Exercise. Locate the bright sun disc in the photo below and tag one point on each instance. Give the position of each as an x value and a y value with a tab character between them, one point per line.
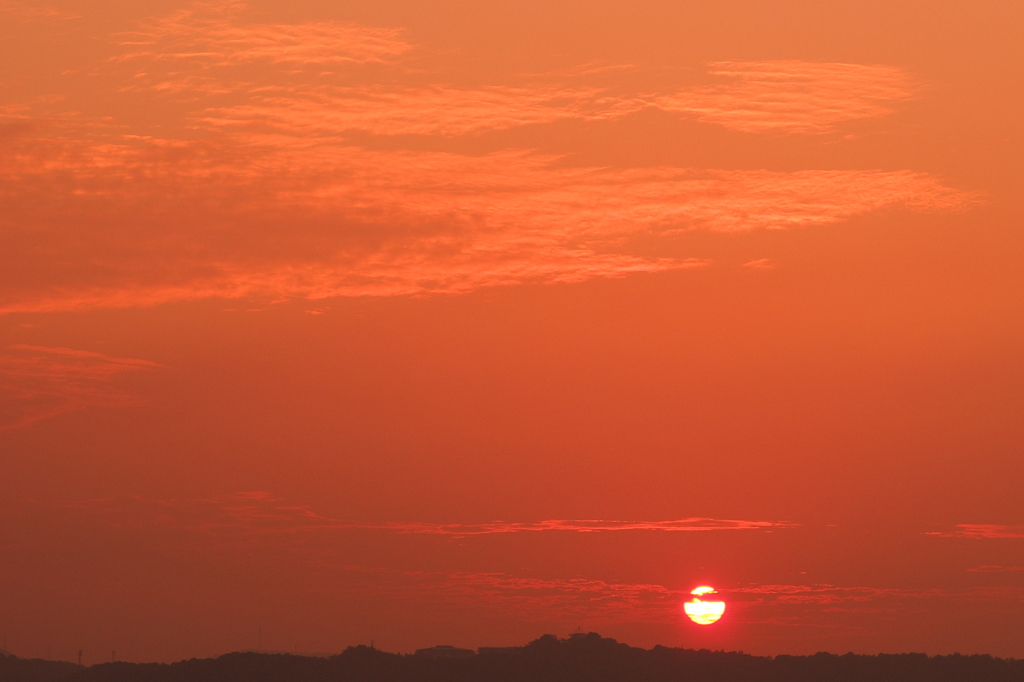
704	612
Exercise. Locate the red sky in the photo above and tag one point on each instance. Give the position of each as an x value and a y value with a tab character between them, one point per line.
458	322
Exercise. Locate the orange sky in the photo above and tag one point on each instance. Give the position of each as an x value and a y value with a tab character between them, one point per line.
459	322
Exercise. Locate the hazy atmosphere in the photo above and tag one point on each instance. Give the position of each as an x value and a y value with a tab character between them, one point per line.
451	322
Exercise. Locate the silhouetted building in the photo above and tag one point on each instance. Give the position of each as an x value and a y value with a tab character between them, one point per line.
445	651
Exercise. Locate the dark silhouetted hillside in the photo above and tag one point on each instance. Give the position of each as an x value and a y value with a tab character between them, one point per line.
587	658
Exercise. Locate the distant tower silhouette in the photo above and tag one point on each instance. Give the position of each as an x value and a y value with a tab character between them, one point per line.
113	656
79	657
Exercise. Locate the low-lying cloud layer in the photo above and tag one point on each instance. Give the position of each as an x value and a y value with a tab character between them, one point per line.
332	555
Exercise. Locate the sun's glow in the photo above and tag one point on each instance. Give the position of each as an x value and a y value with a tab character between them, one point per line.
703	612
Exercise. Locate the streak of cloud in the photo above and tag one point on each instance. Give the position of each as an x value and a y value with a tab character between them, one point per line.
981	531
261	513
37	382
211	34
813	99
792	96
434	110
558	599
692	524
840	605
34	11
555	599
995	569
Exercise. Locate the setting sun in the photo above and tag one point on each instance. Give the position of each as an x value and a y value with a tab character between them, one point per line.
704	612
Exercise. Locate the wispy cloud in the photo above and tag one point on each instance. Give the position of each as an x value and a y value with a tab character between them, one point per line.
434	110
279	534
693	524
793	96
213	34
787	97
823	593
996	569
265	192
978	531
283	216
196	52
34	11
758	97
555	599
752	97
840	606
261	513
37	382
595	601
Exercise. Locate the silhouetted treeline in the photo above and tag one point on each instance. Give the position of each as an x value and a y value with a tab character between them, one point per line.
14	669
589	658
